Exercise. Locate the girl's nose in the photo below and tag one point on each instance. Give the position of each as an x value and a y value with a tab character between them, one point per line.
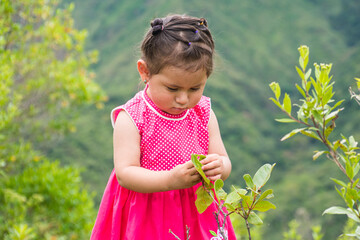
182	98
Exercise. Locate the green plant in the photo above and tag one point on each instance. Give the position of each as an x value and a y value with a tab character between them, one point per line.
317	112
243	202
43	77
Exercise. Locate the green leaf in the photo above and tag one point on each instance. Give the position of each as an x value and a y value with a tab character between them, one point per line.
213	233
220	193
300	90
332	115
337	104
308	86
307	75
263	175
249	181
317	116
229	207
266	194
292	133
234	196
337	210
352	142
301	62
285	120
341	210
300	72
254	219
349	170
203	199
317	154
276	103
328	130
264	206
275	87
195	158
353	194
310	134
287	103
246	202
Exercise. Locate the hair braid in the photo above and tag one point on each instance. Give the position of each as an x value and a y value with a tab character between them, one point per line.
179	41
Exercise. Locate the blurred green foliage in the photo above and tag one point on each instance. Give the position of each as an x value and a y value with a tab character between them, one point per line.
44	76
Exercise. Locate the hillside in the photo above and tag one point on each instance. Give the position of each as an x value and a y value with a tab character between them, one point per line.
256	43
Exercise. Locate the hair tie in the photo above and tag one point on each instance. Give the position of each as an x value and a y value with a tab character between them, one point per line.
203	23
157	26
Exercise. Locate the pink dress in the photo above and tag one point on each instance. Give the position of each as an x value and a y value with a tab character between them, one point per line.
166	141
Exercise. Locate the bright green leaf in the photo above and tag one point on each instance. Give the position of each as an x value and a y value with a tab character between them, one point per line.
264	206
287	103
276	103
317	154
285	120
213	233
301	90
234	197
254	219
195	158
341	210
249	181
220	193
292	133
203	199
307	75
300	72
266	194
263	175
337	210
275	87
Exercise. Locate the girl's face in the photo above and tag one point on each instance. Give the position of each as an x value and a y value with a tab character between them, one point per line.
174	90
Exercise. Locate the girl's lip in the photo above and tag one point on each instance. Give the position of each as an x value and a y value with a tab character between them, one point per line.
180	110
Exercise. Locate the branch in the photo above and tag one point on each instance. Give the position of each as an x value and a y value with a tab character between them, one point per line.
246	221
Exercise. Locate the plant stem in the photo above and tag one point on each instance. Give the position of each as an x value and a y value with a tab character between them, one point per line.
248	228
246	215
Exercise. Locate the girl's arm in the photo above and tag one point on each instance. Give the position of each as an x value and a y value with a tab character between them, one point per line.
127	163
217	163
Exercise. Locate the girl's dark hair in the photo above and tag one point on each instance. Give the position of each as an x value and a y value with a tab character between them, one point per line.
179	41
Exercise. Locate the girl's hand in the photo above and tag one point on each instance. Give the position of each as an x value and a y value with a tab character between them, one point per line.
184	176
213	166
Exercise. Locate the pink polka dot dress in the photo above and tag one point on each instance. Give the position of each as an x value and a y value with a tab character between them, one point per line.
166	141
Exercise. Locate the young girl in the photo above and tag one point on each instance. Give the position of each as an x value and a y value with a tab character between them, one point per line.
152	188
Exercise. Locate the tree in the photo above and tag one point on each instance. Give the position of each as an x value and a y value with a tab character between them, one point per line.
317	113
44	76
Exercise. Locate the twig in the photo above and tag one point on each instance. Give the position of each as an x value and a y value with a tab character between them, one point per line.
174	235
187	233
246	221
216	214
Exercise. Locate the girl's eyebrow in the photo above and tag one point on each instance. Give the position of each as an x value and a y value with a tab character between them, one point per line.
176	86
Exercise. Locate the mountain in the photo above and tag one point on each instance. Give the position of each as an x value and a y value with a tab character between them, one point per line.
256	44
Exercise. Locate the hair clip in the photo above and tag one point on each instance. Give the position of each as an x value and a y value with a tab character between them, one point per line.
203	22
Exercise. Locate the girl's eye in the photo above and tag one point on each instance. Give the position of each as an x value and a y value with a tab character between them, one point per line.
195	89
171	89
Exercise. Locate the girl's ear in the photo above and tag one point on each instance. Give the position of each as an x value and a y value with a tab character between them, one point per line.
143	70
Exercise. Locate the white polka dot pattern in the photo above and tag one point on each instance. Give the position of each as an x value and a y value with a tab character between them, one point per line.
168	140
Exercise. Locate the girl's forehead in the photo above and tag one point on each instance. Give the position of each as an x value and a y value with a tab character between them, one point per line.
179	76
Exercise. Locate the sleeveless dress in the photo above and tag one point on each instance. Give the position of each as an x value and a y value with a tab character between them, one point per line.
166	141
